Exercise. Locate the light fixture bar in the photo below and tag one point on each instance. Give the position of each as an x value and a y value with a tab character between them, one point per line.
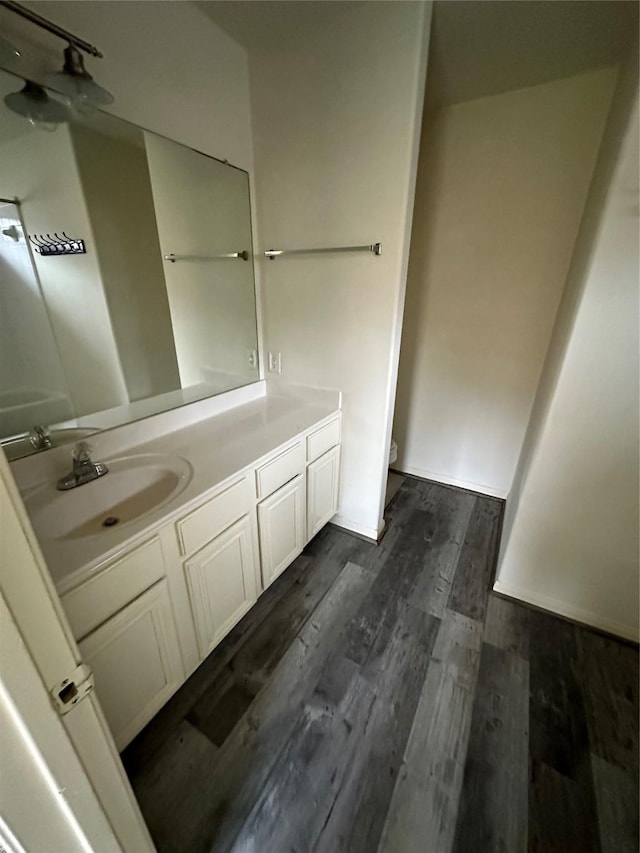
45	24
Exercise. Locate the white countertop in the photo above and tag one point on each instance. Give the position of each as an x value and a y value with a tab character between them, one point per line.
217	448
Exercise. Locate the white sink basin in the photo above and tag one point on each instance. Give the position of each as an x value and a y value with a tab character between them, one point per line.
134	487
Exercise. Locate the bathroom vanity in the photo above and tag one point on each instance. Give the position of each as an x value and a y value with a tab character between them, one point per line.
208	516
143	334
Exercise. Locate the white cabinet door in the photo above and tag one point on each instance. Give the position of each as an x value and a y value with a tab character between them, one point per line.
222	583
136	662
282	523
323	477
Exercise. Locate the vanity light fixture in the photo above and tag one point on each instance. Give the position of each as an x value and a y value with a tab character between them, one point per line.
74	81
34	104
77	84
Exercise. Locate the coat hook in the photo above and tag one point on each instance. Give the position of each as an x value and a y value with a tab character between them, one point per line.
47	245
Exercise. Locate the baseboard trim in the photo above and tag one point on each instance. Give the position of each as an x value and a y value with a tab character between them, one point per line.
568	611
369	534
479	488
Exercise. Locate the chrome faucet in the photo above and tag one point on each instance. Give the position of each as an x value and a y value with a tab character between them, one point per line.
40	437
84	469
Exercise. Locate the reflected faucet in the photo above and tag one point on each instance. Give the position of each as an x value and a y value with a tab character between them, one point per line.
40	437
84	469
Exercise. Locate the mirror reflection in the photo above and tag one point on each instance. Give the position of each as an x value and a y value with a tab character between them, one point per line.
126	277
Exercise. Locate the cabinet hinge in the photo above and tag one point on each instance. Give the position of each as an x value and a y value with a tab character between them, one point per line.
69	692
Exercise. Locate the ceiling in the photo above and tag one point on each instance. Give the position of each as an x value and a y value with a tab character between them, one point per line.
482	47
478	47
261	25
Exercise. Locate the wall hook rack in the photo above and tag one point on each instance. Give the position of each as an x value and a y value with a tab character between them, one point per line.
46	245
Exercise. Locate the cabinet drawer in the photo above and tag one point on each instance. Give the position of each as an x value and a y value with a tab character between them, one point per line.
92	603
280	470
323	439
204	523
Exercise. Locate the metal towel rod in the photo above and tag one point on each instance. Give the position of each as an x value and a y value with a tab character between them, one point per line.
243	255
376	248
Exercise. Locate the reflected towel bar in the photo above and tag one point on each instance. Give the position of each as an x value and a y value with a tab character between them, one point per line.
376	248
244	256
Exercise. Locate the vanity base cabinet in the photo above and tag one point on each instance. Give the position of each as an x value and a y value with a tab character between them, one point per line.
136	662
150	616
221	579
282	525
323	477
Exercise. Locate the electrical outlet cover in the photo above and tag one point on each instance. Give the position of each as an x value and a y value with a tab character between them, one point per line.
275	362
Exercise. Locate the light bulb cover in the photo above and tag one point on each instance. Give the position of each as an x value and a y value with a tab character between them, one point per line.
33	103
76	83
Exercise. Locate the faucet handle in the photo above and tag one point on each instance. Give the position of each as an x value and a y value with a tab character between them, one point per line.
84	470
40	437
82	452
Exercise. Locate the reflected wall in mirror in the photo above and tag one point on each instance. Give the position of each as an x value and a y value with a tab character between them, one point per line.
118	332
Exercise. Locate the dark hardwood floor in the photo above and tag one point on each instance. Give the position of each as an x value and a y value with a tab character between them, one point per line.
380	698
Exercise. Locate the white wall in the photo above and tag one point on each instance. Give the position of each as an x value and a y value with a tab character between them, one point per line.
501	189
570	541
40	170
202	208
29	360
117	189
336	119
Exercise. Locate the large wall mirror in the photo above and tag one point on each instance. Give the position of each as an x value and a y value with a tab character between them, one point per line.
158	311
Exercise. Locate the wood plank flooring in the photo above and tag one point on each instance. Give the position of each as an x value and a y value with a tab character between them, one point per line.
381	698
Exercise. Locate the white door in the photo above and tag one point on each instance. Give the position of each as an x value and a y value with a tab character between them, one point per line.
136	662
36	814
222	583
323	477
282	524
82	737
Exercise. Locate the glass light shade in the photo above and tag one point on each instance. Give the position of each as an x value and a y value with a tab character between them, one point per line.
83	94
75	82
34	104
8	51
